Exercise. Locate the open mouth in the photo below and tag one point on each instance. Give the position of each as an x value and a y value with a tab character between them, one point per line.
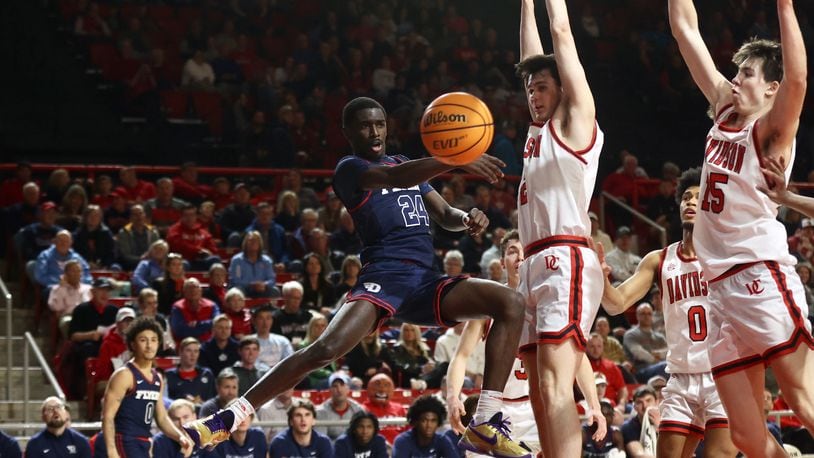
380	396
376	146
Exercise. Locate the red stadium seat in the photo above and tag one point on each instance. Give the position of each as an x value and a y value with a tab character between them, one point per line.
122	301
175	103
209	107
114	274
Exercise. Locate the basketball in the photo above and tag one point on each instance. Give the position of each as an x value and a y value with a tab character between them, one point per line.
457	128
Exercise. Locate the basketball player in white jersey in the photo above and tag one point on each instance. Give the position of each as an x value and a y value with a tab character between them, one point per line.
757	304
560	278
691	409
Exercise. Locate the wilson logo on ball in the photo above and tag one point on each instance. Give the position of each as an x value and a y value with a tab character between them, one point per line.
439	117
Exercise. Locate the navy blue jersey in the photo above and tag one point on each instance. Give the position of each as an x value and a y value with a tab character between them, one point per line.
254	447
393	223
9	448
406	446
345	448
284	446
136	412
71	444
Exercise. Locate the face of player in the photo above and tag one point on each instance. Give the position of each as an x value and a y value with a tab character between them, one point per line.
302	421
182	415
688	206
189	355
512	257
750	90
263	322
543	95
227	389
643	403
145	345
367	133
364	431
426	425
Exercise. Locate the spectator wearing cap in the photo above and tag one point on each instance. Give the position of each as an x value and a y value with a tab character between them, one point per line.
113	351
48	268
599	236
33	239
21	214
164	209
187	186
248	368
94	241
273	235
11	190
801	244
226	386
346	238
601	383
616	389
237	216
134	241
328	216
189	380
192	241
192	316
273	347
622	261
135	191
339	407
57	439
69	293
251	271
221	351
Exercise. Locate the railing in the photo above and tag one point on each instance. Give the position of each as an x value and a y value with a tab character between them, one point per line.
605	196
9	329
30	343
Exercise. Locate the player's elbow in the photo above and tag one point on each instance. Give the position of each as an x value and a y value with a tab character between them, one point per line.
561	29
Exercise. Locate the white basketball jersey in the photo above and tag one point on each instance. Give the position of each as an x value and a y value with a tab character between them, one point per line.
557	185
735	223
517	385
684	298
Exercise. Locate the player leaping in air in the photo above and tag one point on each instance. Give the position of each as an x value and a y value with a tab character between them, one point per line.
757	303
691	409
561	278
392	204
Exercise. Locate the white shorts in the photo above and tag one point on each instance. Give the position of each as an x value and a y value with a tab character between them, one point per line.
561	280
758	312
691	405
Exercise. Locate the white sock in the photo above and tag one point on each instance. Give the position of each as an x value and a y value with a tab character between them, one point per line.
489	404
241	409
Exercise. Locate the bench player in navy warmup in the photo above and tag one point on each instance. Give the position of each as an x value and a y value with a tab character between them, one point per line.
392	204
134	398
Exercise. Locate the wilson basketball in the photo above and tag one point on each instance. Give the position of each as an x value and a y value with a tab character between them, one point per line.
457	128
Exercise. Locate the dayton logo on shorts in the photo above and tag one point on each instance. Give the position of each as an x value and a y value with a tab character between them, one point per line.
551	262
373	287
754	288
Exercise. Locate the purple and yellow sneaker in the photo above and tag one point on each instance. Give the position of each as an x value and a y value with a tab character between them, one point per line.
210	431
492	438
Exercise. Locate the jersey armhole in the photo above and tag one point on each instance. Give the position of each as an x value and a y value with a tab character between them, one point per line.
576	153
662	257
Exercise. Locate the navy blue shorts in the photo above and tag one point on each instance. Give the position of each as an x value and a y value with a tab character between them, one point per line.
132	446
405	291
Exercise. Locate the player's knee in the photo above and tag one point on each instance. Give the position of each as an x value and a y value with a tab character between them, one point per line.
746	441
513	307
324	351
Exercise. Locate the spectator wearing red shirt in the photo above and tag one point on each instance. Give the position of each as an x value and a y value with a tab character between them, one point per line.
134	190
192	316
617	390
11	191
192	241
164	210
621	184
380	389
114	345
103	192
187	186
235	309
221	193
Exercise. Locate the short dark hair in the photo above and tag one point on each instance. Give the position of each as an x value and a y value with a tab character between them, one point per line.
248	340
358	417
300	404
141	324
767	50
536	64
643	391
359	103
511	235
267	307
425	404
690	177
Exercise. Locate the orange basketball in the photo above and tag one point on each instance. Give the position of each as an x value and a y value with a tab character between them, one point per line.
457	128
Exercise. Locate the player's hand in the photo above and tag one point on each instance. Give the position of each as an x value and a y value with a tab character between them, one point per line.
774	171
600	253
486	166
476	222
455	410
186	444
595	415
655	416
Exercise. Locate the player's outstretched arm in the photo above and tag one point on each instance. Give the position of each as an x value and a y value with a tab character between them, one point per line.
452	219
777	189
587	384
684	25
781	122
577	94
473	330
167	426
117	387
411	173
530	44
616	300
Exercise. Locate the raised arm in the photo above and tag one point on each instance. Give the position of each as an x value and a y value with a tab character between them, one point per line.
530	44
616	300
576	93
411	173
783	119
473	330
684	25
452	219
